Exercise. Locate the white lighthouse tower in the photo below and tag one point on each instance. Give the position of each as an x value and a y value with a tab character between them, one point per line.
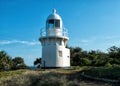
53	40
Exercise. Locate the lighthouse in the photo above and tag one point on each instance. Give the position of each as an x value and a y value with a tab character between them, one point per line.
54	38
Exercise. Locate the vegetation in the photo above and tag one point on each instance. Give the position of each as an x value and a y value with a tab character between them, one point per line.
112	73
5	74
46	78
7	63
95	58
99	64
94	63
18	63
37	62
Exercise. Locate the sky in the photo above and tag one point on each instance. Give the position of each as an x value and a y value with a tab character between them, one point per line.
92	25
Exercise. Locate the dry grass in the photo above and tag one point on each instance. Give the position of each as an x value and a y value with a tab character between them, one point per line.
59	77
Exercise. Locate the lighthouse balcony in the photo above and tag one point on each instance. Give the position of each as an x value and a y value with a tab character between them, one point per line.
54	32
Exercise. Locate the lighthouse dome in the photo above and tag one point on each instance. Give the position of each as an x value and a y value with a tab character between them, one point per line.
54	15
54	21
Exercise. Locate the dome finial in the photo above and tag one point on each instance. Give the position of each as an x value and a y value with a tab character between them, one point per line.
54	10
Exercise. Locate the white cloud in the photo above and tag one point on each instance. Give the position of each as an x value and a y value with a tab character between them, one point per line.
111	37
84	41
6	42
88	41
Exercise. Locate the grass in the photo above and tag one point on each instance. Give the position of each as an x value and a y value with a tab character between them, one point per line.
104	72
53	77
5	74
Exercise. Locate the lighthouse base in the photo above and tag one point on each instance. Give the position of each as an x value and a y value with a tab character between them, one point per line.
54	67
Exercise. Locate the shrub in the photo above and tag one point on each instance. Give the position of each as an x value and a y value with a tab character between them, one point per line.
108	65
86	61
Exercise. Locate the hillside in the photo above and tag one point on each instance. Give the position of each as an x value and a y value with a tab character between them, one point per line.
51	77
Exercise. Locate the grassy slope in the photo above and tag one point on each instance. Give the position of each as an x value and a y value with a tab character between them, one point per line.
57	77
5	74
112	73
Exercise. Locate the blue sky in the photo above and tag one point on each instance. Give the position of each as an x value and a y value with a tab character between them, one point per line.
92	24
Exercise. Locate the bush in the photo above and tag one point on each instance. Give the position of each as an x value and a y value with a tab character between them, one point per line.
86	62
108	65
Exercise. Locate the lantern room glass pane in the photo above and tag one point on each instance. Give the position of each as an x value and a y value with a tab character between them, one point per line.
51	24
57	23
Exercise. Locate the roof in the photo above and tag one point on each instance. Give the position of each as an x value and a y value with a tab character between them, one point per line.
54	15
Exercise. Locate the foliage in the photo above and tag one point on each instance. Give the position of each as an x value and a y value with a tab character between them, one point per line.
108	65
114	54
38	62
7	63
109	72
18	63
94	58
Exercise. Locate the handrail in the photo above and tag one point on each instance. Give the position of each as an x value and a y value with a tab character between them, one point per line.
43	32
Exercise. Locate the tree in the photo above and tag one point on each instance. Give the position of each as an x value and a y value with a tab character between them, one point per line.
18	63
37	62
5	61
97	57
93	58
86	62
114	54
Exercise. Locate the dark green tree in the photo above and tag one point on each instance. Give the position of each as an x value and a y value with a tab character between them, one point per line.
18	63
84	58
5	61
37	62
114	54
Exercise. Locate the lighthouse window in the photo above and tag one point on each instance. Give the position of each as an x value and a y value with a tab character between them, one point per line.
60	53
51	23
59	42
57	23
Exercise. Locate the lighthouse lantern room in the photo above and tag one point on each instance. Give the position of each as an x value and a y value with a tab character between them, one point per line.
53	40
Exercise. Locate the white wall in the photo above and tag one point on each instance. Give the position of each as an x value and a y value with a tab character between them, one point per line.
66	58
48	55
51	55
54	32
